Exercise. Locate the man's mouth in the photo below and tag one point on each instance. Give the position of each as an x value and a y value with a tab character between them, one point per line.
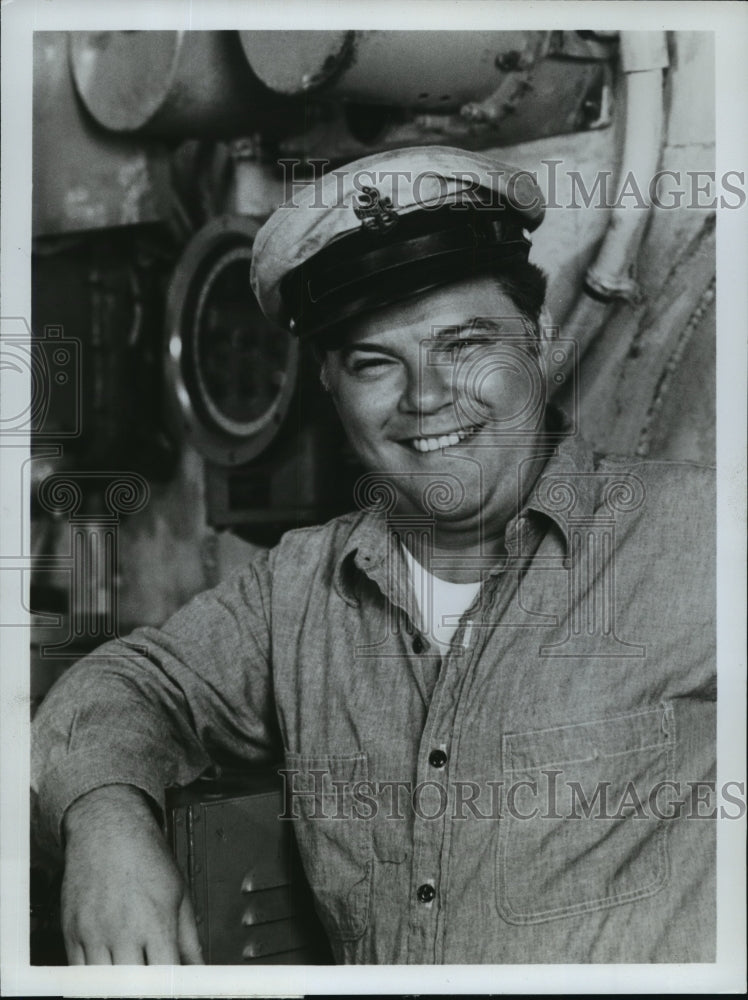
435	442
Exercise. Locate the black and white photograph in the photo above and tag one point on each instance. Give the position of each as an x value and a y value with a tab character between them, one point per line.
372	557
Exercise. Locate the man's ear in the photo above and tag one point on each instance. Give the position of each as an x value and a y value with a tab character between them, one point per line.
548	332
321	356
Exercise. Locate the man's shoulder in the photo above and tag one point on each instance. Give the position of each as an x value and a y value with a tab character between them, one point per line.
678	482
663	510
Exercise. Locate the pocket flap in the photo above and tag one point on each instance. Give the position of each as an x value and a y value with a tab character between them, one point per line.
329	774
588	740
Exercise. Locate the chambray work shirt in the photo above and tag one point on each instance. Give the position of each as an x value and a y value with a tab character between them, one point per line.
585	665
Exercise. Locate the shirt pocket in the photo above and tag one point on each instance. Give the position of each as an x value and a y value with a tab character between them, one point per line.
593	841
334	839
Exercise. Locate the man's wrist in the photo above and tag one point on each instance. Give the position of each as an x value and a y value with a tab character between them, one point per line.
105	802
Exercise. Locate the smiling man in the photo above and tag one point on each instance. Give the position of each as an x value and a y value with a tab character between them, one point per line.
492	684
425	387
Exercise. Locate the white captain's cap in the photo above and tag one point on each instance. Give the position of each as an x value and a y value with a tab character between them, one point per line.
388	226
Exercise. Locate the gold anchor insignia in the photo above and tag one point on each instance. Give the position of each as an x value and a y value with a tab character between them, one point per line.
376	212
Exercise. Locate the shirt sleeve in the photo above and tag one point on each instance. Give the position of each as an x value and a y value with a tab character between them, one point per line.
153	709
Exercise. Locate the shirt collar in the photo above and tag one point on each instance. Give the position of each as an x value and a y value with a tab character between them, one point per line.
566	489
570	469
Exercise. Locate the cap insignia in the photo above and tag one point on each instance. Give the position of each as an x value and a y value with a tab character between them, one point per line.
376	212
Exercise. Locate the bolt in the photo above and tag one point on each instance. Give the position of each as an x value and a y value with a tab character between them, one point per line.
508	62
476	113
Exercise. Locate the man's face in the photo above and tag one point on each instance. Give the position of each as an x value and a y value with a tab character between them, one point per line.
445	387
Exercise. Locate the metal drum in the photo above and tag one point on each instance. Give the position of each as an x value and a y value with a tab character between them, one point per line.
167	83
427	70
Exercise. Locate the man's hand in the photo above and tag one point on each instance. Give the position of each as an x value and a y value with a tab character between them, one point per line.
123	899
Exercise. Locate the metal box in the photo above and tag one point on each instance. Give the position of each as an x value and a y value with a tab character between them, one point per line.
239	859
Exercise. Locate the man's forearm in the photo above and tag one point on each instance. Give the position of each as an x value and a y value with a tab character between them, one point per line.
101	804
134	712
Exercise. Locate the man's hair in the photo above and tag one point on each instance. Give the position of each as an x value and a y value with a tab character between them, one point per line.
524	283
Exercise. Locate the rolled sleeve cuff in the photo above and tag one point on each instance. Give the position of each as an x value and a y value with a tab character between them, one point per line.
84	770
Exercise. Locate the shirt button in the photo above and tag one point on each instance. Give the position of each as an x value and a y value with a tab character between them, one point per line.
437	758
426	892
418	644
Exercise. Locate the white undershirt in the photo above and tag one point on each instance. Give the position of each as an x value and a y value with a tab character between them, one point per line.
439	600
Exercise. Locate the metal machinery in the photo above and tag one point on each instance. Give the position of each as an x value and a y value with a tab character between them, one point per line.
303	96
157	156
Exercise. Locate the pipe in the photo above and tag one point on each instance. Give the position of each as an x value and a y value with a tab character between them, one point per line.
643	59
426	70
170	84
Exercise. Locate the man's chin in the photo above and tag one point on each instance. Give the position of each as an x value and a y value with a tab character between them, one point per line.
441	507
447	491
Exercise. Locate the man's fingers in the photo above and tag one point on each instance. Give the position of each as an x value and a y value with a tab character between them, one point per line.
75	953
128	954
189	942
161	950
97	954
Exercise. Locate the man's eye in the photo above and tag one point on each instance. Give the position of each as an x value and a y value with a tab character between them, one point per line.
370	366
475	342
456	348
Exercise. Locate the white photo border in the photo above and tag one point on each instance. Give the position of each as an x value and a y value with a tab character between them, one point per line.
729	22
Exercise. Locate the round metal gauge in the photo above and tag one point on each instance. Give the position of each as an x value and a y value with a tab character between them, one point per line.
231	371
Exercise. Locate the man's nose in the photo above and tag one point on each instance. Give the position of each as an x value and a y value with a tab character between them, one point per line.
429	385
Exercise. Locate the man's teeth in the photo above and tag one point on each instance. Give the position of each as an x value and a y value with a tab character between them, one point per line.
443	441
